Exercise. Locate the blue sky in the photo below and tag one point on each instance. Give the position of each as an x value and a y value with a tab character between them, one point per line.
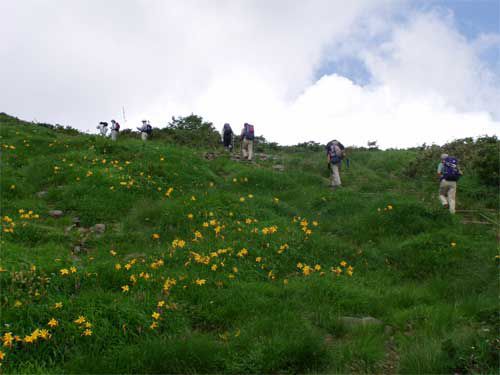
472	18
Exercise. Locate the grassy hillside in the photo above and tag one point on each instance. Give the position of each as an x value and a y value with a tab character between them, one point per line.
224	267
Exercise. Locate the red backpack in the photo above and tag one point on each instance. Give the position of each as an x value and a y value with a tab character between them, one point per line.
249	132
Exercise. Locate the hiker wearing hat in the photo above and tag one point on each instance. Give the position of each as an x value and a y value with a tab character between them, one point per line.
146	130
334	154
449	173
115	128
103	128
247	137
227	137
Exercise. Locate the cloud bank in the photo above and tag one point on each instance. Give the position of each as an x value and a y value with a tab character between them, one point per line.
268	63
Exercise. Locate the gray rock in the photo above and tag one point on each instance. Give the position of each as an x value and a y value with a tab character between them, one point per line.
279	167
56	213
41	194
99	228
357	322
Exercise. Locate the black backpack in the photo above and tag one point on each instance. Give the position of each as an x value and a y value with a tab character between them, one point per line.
149	129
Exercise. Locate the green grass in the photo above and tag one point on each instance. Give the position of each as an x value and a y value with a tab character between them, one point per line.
256	312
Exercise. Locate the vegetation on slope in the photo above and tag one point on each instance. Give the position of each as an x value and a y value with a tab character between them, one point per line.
220	266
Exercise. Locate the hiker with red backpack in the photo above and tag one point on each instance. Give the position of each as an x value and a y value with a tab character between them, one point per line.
115	128
247	137
449	173
335	154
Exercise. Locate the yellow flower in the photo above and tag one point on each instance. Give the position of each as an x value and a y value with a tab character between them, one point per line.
214	267
193	198
317	267
285	281
118	266
72	269
112	252
80	320
87	332
200	281
389	207
242	199
258	259
306	270
300	265
125	288
64	271
190	216
250	196
7	339
343	263
153	325
155	236
88	325
44	334
161	303
2	355
58	305
155	315
235	269
18	303
453	244
12	187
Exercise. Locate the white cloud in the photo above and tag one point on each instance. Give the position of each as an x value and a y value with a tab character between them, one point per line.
234	61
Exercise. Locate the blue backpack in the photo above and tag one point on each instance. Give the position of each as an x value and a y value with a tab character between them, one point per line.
450	169
335	153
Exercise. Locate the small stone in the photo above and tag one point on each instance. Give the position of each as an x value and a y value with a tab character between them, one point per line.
41	194
356	322
100	228
56	213
388	330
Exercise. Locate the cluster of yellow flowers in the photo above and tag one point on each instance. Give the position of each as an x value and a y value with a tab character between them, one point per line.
84	325
389	207
28	215
9	147
8	224
66	271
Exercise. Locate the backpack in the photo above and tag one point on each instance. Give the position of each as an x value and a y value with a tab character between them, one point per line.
227	129
335	153
450	169
249	132
116	127
149	129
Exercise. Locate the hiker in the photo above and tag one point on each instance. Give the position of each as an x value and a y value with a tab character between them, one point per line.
227	137
334	154
103	128
247	137
146	130
115	128
449	173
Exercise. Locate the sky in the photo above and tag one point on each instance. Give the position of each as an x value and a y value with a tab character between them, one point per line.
400	72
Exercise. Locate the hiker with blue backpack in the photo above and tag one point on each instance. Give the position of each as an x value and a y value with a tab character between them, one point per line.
449	173
247	138
335	154
146	130
227	137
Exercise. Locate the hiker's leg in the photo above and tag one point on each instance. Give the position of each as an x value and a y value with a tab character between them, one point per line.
244	146
452	191
250	150
443	193
335	175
